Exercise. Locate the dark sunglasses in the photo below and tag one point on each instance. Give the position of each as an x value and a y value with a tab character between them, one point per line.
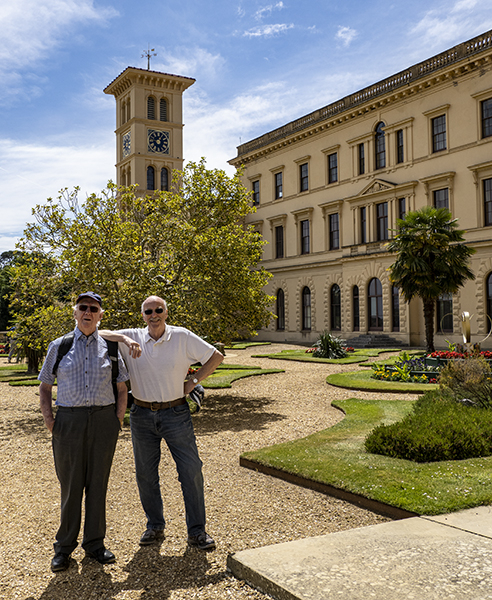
149	311
92	308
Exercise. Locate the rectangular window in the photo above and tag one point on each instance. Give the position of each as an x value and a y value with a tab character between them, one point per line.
487	201
439	133
382	221
304	177
278	185
395	309
487	118
444	312
363	237
279	241
441	198
399	146
256	193
361	157
334	232
305	237
333	168
402	208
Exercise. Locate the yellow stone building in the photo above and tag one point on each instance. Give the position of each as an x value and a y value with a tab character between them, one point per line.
330	186
149	127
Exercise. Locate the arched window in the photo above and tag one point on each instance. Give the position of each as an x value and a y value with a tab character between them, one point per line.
123	112
375	301
151	107
128	110
380	146
163	109
150	178
488	327
164	179
335	308
395	309
123	177
355	308
306	309
280	310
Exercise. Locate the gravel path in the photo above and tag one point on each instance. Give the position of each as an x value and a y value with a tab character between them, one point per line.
244	509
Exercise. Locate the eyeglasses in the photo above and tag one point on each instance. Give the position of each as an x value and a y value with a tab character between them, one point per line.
91	307
149	311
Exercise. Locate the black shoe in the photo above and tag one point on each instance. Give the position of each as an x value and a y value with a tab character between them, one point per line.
202	540
60	562
102	555
152	536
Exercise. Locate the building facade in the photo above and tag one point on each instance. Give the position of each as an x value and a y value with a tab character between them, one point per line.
149	127
330	186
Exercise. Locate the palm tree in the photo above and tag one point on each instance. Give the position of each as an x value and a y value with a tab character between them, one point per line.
431	260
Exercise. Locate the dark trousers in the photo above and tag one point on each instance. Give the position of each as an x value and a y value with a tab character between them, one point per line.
84	441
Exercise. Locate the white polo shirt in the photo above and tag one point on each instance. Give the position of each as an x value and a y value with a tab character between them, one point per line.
158	375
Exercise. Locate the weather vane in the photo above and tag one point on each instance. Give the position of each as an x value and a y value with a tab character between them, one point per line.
148	54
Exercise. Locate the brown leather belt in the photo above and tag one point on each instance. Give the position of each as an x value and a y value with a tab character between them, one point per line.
159	405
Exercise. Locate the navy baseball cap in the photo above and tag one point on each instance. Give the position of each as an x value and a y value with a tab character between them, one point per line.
92	295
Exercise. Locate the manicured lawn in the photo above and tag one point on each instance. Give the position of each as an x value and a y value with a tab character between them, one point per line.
336	456
244	345
303	356
361	380
222	378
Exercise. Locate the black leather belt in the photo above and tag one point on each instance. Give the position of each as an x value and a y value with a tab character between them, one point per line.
159	405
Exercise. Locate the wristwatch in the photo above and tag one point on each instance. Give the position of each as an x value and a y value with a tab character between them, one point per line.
195	380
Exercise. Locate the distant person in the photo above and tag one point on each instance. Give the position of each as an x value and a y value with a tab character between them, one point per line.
85	430
160	412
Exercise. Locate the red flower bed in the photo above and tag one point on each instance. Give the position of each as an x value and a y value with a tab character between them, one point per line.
448	354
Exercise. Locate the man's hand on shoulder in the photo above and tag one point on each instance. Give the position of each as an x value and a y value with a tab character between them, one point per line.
134	348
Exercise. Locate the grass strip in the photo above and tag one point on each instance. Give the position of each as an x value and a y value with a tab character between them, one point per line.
302	356
244	345
361	380
223	379
336	456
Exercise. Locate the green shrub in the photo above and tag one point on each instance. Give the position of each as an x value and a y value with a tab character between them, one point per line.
468	379
438	428
329	346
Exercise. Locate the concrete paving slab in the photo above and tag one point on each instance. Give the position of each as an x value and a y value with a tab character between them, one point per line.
412	559
475	520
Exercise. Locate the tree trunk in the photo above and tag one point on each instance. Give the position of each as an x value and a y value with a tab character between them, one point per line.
33	360
429	308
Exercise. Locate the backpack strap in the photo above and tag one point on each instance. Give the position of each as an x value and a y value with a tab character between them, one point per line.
63	349
65	346
113	355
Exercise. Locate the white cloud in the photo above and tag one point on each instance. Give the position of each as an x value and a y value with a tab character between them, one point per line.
268	30
345	35
191	62
33	29
29	174
448	25
266	11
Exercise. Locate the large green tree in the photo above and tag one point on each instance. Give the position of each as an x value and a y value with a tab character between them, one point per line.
431	260
189	245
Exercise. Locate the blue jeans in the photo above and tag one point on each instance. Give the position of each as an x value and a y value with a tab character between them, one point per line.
174	425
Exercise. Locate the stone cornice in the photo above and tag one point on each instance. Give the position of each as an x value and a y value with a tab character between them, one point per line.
436	70
154	79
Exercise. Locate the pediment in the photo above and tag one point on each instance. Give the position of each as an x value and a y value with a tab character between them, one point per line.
378	185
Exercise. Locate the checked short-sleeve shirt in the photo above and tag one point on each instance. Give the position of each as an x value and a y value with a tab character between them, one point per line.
84	373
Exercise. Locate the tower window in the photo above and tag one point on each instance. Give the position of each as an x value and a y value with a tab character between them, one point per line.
164	179
163	109
150	178
151	107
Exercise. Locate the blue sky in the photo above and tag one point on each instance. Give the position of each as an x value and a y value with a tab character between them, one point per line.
257	65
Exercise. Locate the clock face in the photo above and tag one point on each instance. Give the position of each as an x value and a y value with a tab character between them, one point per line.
158	141
127	144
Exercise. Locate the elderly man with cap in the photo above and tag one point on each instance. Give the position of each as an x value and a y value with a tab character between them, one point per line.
85	430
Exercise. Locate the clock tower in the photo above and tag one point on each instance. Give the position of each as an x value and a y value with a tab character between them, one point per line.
149	127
